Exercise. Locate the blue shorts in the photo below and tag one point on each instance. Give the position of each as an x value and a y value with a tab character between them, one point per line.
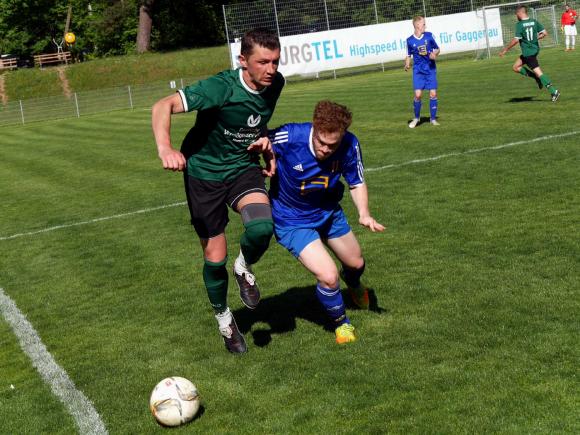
424	81
295	239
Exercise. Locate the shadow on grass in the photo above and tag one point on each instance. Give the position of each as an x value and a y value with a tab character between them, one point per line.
521	99
280	312
422	120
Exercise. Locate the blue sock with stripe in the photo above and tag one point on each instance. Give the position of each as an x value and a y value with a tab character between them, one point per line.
331	300
417	107
433	108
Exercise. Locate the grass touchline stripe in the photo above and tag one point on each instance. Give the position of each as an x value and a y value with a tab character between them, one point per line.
106	218
380	168
473	151
78	405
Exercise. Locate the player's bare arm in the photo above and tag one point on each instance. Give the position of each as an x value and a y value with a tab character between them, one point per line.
407	63
264	146
433	55
161	113
360	198
542	34
512	44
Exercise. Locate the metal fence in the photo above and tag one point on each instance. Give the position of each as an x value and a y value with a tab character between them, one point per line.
88	102
292	17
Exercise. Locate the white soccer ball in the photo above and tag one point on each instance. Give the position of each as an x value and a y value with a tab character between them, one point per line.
174	401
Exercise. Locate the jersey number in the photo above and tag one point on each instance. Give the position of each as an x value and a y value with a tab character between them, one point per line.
530	34
320	182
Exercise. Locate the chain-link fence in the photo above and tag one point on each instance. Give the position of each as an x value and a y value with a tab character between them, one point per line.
292	17
88	102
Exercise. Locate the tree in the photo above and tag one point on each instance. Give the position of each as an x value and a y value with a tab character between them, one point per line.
145	25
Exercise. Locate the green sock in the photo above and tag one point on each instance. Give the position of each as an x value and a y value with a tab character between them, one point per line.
547	83
527	73
215	277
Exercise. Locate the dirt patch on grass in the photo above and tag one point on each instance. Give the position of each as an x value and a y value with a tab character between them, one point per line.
61	70
3	96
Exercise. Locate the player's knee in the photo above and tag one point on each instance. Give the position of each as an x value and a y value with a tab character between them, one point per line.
259	232
357	263
328	278
517	69
257	219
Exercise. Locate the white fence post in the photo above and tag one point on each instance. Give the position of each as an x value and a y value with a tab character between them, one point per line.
77	106
130	97
21	111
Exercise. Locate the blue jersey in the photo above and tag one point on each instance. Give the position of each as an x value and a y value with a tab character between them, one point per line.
305	191
420	48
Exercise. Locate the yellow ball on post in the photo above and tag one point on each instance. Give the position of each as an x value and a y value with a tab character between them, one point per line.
70	38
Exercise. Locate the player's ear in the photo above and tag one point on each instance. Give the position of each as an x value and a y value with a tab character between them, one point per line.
243	61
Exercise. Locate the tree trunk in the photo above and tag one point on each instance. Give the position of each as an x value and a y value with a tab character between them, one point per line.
145	24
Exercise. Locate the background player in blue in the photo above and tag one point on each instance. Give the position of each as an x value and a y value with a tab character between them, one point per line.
305	195
421	46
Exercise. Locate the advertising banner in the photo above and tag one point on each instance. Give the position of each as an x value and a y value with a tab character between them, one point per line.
310	53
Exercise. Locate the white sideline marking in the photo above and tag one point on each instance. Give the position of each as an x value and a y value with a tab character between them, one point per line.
380	168
473	151
81	408
106	218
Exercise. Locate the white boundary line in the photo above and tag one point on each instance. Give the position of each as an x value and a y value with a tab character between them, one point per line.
380	168
473	151
78	405
92	221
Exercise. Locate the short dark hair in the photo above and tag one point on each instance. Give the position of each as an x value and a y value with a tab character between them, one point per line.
330	117
524	7
262	37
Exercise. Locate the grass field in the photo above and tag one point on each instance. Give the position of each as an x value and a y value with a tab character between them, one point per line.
476	325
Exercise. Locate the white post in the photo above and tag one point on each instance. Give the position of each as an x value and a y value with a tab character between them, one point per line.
486	33
276	18
227	35
554	24
21	112
377	21
181	79
77	106
424	10
130	97
328	28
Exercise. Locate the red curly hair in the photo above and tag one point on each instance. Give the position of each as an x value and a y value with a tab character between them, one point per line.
330	117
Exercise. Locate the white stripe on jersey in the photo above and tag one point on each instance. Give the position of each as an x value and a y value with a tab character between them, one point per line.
183	100
359	163
280	137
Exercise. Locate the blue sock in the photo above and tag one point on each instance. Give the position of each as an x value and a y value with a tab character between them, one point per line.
331	300
417	107
433	107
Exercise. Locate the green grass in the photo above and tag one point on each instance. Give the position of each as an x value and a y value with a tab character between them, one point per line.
476	277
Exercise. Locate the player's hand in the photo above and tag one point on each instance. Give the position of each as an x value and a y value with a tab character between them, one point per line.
407	66
270	160
371	224
432	56
172	159
261	145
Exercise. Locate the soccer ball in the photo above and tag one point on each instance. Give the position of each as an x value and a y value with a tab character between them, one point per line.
174	401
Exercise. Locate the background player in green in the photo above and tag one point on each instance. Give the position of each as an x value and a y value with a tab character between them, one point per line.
528	34
221	157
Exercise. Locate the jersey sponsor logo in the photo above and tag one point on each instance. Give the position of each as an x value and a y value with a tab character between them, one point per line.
319	182
254	121
422	50
298	167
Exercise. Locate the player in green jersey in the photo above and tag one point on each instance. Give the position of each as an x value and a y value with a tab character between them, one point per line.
528	34
220	156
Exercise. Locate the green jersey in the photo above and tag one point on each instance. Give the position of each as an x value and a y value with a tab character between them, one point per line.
230	116
527	32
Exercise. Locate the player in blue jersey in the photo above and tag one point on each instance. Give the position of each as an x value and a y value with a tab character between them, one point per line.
305	195
421	46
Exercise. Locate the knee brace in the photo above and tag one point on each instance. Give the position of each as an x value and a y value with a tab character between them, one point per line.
257	219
